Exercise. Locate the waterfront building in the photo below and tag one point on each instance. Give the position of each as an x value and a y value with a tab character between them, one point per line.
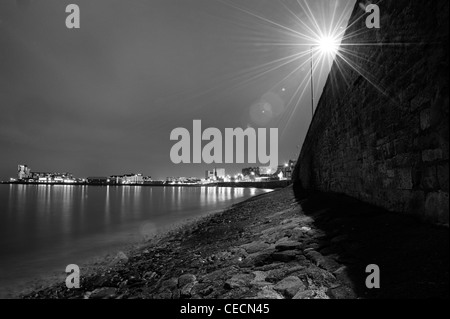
210	175
220	173
23	172
133	179
285	171
130	179
115	179
250	171
183	180
147	179
215	174
266	171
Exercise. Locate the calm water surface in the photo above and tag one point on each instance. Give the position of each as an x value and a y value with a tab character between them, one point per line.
45	228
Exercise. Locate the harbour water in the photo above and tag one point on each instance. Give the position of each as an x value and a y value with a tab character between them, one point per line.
44	228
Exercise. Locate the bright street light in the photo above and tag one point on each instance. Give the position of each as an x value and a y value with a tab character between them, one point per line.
327	46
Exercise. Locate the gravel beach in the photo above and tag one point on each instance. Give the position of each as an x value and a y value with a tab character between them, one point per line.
280	245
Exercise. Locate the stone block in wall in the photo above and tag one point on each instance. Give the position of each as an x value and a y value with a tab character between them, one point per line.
417	173
382	141
430	141
406	159
389	150
432	155
429	178
436	207
397	200
402	145
391	173
425	119
381	167
436	113
388	183
404	178
442	172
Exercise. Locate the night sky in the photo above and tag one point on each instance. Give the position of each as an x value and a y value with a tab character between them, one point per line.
103	99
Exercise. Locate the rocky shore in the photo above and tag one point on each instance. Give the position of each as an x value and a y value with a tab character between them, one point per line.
280	245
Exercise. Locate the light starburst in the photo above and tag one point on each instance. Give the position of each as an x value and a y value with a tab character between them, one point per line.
297	38
328	45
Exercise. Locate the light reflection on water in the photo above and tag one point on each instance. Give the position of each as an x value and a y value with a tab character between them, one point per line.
44	228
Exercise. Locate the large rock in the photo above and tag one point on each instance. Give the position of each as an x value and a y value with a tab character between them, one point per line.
257	259
287	256
121	257
238	281
185	292
320	276
169	284
260	279
259	276
268	293
342	292
273	234
163	295
304	294
185	279
268	267
324	262
176	294
289	245
103	293
255	247
282	240
289	286
297	234
216	275
278	274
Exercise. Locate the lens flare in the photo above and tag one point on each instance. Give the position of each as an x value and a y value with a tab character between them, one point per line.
328	45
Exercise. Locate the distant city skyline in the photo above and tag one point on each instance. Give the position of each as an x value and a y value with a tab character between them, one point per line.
104	98
24	171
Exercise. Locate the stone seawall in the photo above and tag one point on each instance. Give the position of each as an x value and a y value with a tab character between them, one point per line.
380	132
